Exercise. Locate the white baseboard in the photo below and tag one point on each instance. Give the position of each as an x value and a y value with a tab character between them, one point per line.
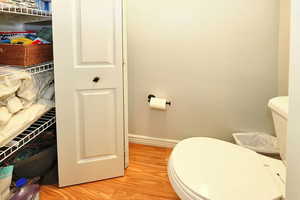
146	140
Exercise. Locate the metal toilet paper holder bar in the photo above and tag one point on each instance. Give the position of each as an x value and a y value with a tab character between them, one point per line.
153	96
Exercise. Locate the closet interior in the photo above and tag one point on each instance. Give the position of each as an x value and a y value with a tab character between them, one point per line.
27	106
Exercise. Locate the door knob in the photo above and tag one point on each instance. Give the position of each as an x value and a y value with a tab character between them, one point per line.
96	79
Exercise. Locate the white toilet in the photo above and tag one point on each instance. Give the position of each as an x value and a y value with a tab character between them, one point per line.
210	169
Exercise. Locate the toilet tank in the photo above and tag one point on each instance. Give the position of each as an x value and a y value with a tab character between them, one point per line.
279	107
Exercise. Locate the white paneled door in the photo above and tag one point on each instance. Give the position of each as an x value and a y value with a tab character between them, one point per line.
89	89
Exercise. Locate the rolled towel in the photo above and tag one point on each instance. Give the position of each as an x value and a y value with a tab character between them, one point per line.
5	116
14	104
26	103
27	89
12	80
28	94
8	87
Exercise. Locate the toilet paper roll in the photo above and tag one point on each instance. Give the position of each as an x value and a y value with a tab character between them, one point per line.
158	104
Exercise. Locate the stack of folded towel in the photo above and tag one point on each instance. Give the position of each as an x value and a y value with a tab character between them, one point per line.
21	101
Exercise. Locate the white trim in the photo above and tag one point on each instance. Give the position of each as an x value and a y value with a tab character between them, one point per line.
160	142
125	84
293	160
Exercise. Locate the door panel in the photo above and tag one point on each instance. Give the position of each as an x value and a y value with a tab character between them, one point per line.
97	123
87	38
96	30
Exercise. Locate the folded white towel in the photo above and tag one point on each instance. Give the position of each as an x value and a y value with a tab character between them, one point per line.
5	116
14	104
29	94
20	121
26	103
8	87
12	80
27	89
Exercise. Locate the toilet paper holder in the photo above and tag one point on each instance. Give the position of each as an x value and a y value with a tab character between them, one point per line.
153	96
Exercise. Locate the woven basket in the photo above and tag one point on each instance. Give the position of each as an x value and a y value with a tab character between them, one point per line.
25	55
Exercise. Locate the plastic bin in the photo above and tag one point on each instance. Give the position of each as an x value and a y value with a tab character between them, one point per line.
259	142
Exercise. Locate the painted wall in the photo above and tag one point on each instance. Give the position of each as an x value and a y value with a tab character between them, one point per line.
293	173
215	60
283	50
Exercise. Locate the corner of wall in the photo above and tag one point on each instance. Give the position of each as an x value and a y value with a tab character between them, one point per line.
283	47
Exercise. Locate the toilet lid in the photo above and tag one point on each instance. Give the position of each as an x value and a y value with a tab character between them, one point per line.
218	170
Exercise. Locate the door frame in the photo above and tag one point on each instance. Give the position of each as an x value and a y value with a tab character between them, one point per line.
125	84
293	146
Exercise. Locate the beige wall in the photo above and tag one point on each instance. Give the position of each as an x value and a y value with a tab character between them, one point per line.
283	50
215	60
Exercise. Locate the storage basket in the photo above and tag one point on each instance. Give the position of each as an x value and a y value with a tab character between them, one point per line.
25	55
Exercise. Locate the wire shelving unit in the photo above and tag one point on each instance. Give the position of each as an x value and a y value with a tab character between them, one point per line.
8	71
33	131
10	8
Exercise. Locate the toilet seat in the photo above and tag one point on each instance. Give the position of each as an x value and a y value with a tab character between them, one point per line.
210	169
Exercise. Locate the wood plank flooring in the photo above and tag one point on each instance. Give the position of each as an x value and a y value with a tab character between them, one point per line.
145	179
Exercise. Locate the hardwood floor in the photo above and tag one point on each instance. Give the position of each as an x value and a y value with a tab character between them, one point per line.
145	179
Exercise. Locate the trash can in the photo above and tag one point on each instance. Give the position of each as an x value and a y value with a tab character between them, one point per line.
259	142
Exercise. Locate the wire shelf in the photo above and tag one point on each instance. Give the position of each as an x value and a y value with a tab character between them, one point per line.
34	69
37	128
9	8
